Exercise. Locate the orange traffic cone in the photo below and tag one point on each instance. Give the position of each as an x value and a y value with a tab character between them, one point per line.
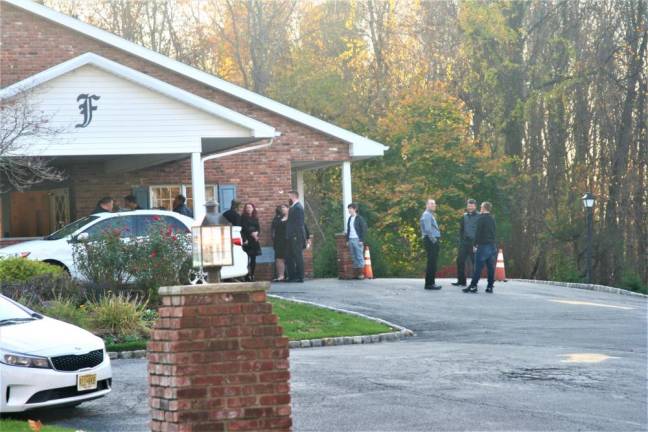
368	271
500	271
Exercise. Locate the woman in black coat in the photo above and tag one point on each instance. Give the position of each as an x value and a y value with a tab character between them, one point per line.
250	230
279	241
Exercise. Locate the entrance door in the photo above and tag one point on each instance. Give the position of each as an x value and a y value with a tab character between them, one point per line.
38	213
30	214
59	208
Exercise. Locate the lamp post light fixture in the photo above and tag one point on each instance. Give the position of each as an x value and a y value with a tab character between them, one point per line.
212	246
588	202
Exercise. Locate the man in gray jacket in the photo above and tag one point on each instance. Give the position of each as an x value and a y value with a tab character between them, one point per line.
431	235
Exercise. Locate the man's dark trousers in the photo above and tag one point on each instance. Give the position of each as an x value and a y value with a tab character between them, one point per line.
465	251
486	254
295	258
432	250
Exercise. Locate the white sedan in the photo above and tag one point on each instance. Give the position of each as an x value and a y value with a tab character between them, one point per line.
45	362
57	247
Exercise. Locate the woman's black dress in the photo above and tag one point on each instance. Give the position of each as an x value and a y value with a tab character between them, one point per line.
279	238
249	225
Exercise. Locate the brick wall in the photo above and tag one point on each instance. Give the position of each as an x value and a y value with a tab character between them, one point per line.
344	261
218	361
31	44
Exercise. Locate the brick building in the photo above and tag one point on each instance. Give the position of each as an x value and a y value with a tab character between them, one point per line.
132	121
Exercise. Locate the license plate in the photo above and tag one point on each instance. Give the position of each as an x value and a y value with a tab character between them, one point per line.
86	382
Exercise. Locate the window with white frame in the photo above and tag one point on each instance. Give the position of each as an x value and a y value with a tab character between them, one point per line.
162	196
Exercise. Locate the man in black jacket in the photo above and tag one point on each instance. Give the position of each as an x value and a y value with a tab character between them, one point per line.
467	231
296	238
233	215
356	231
485	249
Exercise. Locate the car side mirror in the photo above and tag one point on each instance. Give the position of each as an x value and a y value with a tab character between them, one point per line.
81	237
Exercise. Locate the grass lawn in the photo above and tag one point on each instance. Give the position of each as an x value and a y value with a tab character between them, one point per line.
300	321
22	426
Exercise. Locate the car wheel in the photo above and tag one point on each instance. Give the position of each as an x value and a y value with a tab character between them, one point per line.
197	277
59	264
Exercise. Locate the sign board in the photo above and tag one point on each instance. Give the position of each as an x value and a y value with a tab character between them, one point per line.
212	246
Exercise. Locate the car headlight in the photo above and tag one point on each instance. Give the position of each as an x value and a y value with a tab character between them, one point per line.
24	360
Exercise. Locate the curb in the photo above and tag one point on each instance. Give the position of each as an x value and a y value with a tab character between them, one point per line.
137	354
347	340
590	287
312	343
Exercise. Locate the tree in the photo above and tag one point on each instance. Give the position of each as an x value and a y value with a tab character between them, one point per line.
20	123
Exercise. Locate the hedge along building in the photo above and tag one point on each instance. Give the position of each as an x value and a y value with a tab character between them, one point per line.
134	121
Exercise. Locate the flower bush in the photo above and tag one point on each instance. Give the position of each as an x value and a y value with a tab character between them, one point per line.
158	259
149	262
104	260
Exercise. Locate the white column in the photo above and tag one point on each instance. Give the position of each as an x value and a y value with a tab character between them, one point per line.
347	195
198	185
299	175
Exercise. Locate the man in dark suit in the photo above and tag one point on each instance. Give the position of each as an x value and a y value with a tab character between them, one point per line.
296	238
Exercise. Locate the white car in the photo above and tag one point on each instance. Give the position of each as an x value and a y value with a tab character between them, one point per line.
45	362
57	247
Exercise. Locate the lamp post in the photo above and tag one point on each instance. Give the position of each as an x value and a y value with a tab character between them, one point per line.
211	245
588	202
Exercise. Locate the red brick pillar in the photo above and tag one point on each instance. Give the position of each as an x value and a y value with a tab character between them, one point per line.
218	361
344	261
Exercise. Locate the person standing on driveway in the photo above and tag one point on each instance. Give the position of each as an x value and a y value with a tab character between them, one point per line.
485	249
279	241
296	237
467	230
356	230
250	230
431	235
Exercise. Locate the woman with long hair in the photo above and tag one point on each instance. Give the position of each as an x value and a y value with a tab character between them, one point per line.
250	230
279	241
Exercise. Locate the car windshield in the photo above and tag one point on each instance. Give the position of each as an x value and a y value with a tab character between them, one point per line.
71	228
10	311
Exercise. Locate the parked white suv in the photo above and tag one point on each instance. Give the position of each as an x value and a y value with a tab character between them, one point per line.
45	362
57	247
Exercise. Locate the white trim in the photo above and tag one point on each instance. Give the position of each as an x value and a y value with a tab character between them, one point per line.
361	147
236	151
347	191
257	129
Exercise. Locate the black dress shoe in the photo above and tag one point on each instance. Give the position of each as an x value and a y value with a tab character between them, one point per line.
458	284
433	287
470	289
489	290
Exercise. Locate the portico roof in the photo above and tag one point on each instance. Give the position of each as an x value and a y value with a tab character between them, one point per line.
135	113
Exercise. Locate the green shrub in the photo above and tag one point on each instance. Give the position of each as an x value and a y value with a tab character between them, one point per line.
633	282
21	269
66	310
42	288
118	316
325	258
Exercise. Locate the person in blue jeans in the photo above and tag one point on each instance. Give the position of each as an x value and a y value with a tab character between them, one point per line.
485	249
356	231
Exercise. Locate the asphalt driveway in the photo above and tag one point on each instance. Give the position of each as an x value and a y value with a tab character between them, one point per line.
529	357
